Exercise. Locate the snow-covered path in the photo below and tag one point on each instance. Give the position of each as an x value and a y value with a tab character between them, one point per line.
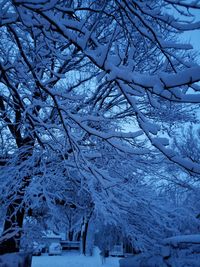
73	260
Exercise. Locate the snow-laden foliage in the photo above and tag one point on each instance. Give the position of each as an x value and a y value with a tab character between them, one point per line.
90	94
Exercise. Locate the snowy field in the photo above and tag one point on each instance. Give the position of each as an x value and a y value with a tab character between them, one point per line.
73	259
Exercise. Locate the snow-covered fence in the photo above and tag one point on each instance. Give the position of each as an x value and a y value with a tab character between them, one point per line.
70	245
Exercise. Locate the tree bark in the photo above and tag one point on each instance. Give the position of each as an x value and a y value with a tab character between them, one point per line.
70	235
12	227
84	237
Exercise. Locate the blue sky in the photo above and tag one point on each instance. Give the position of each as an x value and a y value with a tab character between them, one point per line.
194	36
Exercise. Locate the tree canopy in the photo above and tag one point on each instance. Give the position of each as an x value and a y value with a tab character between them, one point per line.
92	95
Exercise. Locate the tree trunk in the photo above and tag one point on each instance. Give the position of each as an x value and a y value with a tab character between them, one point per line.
70	235
12	227
84	230
84	237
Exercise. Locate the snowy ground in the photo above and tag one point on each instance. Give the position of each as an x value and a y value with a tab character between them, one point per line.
73	259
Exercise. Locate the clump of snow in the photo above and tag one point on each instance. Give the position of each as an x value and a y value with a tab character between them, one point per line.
151	260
